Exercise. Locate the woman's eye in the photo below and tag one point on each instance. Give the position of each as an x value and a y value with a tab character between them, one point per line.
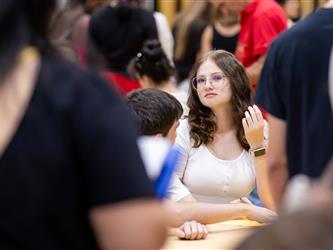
217	78
201	80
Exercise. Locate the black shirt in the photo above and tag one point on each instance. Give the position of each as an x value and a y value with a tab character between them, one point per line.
74	149
294	87
228	43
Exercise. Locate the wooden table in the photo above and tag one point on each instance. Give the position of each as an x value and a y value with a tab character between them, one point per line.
224	235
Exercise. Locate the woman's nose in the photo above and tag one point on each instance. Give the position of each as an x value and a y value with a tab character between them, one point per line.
209	83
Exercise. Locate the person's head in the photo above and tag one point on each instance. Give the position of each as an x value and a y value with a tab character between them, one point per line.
226	20
151	66
292	8
156	112
22	23
117	34
218	81
230	6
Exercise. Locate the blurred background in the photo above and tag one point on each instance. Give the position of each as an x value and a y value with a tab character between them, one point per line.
171	7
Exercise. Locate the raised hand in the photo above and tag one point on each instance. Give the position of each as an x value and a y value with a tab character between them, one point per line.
253	124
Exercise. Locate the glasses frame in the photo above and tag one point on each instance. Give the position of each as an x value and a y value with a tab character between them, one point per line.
194	85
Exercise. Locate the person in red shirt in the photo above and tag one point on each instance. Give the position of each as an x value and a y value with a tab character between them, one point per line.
261	22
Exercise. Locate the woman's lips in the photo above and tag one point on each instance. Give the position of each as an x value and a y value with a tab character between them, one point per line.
210	95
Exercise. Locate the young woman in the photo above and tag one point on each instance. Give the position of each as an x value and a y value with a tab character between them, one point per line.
223	142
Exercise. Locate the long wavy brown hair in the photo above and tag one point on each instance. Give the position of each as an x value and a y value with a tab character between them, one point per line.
201	119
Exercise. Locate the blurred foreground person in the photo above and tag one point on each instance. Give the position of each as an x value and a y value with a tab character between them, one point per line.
64	183
293	88
307	218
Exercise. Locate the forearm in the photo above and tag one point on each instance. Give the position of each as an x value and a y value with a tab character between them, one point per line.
277	179
205	213
264	190
277	167
142	221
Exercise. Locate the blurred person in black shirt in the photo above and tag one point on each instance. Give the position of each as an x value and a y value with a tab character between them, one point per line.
71	176
293	88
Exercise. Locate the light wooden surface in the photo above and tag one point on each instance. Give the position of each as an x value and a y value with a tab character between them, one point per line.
224	235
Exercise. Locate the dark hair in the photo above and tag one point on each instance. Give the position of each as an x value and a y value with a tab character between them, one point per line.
152	62
118	34
22	23
155	110
201	118
281	2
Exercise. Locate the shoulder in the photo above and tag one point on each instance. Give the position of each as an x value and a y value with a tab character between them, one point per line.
183	135
184	127
82	23
269	13
295	37
144	14
160	17
65	84
64	73
183	131
208	31
102	14
180	95
162	24
269	8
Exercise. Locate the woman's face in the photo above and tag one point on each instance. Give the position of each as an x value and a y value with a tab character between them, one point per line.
212	86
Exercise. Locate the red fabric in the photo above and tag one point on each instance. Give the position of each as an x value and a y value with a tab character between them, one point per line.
121	84
264	113
261	22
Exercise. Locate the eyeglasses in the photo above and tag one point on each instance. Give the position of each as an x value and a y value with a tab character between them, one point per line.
216	80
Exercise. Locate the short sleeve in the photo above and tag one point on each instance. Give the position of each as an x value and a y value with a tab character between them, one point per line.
269	90
105	145
266	28
184	142
177	190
